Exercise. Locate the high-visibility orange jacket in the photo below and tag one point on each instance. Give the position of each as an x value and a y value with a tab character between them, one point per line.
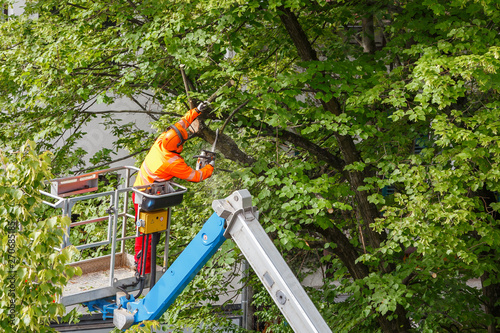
161	164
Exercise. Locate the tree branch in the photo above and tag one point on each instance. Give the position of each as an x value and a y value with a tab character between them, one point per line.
111	162
226	145
309	146
344	249
238	108
131	111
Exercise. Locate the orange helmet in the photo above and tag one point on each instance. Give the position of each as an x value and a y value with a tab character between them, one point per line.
175	138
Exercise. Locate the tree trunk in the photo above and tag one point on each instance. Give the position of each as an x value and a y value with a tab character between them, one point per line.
397	325
491	295
368	34
345	250
350	154
491	292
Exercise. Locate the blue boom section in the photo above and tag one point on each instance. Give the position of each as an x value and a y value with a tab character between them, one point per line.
181	272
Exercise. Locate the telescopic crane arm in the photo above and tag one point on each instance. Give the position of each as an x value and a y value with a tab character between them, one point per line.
234	218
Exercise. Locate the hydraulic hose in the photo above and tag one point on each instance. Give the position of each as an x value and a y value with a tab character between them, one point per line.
154	242
145	239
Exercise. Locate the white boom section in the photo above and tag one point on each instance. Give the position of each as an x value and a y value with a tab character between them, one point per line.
245	230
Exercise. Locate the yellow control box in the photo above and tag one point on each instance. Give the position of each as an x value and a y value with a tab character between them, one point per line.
153	221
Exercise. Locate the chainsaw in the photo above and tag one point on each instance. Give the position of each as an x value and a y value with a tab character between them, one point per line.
207	156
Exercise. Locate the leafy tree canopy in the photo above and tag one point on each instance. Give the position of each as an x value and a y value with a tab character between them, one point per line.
33	272
366	131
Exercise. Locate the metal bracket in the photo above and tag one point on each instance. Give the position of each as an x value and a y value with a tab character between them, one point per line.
111	210
102	305
122	319
240	202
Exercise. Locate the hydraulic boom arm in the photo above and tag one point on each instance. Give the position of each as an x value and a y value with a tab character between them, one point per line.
234	218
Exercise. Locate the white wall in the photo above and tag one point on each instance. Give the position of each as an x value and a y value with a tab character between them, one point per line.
17	8
99	137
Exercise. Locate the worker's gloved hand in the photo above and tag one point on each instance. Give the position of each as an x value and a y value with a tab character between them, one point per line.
212	161
203	106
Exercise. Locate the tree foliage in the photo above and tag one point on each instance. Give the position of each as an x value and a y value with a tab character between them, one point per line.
367	132
33	272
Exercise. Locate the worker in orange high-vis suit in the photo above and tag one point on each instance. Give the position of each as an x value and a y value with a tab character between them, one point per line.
163	162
